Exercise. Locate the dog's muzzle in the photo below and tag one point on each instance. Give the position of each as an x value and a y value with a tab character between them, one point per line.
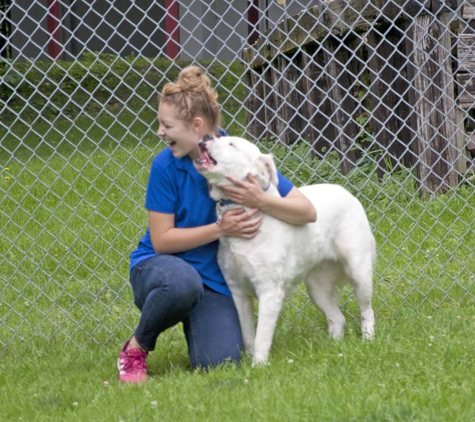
205	159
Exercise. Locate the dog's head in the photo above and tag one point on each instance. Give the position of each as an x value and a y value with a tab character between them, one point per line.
233	156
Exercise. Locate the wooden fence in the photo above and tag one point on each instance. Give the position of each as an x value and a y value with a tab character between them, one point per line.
381	66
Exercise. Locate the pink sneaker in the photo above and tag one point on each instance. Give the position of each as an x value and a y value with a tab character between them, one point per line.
131	365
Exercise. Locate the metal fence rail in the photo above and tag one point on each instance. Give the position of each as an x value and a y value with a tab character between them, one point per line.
375	95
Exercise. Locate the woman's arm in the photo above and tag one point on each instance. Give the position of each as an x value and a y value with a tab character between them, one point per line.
166	238
295	208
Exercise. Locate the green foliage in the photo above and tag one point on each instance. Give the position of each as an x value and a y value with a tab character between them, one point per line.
99	83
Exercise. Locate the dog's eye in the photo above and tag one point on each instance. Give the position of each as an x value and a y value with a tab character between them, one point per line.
232	145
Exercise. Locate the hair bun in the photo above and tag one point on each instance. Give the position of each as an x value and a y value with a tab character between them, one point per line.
193	95
193	79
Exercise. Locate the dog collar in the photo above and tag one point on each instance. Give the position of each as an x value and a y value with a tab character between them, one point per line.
224	202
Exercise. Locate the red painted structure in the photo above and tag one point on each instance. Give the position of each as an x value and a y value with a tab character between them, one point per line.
172	46
54	29
253	19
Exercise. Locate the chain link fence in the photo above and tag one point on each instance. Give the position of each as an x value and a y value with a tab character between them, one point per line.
375	95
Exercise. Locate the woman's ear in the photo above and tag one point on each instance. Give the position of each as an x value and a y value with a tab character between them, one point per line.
197	124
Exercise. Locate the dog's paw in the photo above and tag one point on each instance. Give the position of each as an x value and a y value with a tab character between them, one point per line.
260	364
368	336
336	336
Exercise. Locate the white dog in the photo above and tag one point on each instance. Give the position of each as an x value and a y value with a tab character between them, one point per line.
339	246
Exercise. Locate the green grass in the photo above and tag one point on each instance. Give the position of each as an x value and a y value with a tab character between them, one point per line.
420	367
70	217
71	212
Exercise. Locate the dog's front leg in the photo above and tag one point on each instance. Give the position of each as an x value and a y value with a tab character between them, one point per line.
270	304
245	309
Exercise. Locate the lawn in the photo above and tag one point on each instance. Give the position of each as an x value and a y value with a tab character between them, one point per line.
71	212
420	367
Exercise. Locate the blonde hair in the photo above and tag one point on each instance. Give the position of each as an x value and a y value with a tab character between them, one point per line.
193	96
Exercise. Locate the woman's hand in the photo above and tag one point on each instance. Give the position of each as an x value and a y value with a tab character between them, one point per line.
246	193
295	208
240	223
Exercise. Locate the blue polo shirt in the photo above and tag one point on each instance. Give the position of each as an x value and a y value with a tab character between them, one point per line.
176	187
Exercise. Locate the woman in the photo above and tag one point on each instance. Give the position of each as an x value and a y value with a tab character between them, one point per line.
174	272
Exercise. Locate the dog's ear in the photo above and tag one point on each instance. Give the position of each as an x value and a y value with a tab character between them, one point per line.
268	165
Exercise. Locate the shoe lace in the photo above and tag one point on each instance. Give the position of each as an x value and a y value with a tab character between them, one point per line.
135	361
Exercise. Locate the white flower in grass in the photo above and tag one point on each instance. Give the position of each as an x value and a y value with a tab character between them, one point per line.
154	403
106	383
290	361
246	381
75	404
340	355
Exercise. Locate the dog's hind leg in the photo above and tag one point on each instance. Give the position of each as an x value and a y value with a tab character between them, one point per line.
361	278
321	284
245	310
270	304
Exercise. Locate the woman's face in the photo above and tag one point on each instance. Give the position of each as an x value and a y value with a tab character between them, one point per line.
182	137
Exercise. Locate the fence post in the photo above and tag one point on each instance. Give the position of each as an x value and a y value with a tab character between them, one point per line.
343	105
389	104
288	99
316	107
433	100
256	120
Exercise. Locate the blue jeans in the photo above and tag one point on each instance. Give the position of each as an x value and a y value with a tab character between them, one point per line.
168	290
